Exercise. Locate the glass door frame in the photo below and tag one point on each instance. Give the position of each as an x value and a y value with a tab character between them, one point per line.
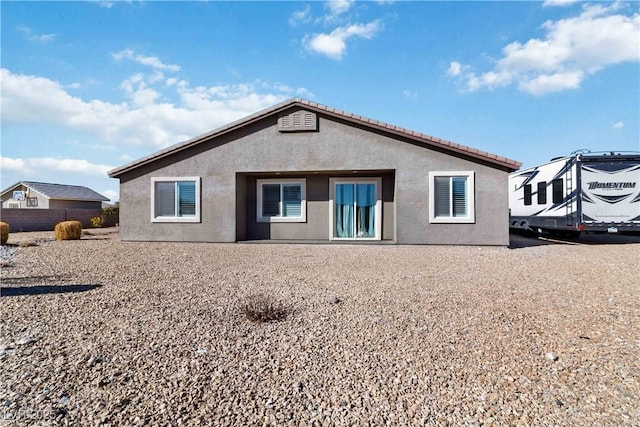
377	181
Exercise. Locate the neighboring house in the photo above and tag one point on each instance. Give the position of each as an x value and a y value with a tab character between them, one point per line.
301	171
41	195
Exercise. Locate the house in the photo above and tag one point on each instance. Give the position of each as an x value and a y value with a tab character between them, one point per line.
301	171
42	195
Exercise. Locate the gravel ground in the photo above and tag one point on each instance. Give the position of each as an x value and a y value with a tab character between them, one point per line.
101	332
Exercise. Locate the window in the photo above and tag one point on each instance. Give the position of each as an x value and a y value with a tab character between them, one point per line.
557	190
281	200
451	197
542	193
355	208
527	195
14	205
175	199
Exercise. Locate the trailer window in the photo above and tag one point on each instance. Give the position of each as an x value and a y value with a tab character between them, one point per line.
527	194
542	193
556	188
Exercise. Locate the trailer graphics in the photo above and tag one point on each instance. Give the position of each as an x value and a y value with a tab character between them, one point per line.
582	192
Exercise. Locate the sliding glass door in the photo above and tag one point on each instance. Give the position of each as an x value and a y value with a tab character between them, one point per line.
356	209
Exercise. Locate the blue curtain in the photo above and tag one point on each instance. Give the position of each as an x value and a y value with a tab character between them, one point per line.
355	202
366	202
344	210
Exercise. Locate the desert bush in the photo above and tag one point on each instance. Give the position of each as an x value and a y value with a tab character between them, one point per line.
4	231
68	230
97	221
261	308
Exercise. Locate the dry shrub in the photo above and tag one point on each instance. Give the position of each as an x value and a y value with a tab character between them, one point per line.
261	308
4	232
68	230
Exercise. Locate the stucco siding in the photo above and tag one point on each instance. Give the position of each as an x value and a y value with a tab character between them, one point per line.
335	149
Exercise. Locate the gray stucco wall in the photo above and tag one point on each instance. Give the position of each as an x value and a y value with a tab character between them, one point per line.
337	148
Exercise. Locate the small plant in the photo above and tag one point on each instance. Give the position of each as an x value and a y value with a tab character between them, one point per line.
97	221
261	308
4	232
68	230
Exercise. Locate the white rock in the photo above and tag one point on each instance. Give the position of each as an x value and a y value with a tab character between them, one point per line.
551	356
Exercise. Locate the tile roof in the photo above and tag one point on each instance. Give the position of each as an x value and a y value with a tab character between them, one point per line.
62	191
425	139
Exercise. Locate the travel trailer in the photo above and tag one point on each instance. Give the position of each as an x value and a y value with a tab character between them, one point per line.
585	191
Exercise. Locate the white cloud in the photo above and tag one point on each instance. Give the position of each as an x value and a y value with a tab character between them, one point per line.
151	61
454	69
12	164
301	16
110	194
409	94
33	37
553	3
334	45
143	119
43	165
338	7
617	125
572	49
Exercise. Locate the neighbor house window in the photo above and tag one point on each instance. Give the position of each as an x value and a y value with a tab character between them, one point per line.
175	199
542	193
281	200
557	190
451	197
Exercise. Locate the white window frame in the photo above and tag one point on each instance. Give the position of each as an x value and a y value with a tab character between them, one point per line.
471	202
195	218
378	214
303	207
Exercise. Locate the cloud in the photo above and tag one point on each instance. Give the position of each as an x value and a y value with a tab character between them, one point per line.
338	7
334	46
143	119
617	125
151	61
300	17
455	68
110	194
571	50
37	38
553	3
44	165
409	94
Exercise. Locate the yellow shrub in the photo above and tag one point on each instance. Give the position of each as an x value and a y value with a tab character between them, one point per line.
4	231
68	230
97	221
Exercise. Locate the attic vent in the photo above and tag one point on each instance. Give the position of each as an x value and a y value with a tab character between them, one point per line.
298	121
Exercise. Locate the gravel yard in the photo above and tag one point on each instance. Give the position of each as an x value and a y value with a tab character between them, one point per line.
98	331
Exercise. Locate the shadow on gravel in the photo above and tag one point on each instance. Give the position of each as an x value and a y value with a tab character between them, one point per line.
45	289
518	241
32	280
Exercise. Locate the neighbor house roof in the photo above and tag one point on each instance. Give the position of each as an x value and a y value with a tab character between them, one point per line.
418	137
61	191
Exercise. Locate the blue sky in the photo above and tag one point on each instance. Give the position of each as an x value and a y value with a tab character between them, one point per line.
89	86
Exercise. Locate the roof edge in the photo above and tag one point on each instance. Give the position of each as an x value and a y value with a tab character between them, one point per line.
499	161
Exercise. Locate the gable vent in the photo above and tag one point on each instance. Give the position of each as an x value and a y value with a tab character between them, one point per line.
298	121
